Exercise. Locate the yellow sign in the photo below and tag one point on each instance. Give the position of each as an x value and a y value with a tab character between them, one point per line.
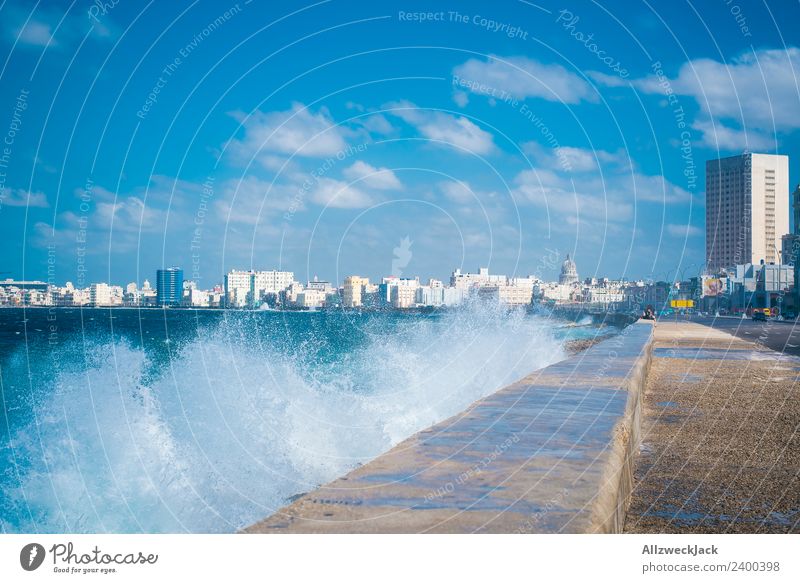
682	303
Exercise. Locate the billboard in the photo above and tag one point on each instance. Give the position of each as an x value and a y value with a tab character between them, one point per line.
682	303
712	286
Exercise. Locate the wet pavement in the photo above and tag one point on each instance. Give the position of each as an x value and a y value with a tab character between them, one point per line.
720	447
778	335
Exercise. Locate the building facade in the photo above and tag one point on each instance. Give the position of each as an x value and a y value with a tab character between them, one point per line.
169	287
251	288
352	291
747	209
569	272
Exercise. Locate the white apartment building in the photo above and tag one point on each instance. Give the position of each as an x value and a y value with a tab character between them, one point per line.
603	295
510	295
100	294
271	282
198	298
404	295
238	288
469	280
747	209
311	298
247	288
430	295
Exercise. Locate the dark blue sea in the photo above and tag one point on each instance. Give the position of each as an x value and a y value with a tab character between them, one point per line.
126	420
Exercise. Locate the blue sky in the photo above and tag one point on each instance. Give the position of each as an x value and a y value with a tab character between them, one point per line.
318	137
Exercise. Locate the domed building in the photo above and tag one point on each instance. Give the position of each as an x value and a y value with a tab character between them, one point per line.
569	272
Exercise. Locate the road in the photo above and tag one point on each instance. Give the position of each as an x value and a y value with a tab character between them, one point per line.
781	336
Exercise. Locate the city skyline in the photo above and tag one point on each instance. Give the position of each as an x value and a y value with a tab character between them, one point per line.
368	158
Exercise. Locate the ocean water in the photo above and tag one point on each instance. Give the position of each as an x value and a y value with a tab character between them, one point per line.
152	421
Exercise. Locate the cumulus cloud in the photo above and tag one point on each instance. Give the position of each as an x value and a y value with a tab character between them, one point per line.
522	77
455	130
461	98
297	131
463	193
717	135
744	102
253	201
22	197
573	159
376	124
601	186
48	26
459	192
337	194
117	221
378	178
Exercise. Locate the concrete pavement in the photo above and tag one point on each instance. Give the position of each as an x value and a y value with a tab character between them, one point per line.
720	436
781	336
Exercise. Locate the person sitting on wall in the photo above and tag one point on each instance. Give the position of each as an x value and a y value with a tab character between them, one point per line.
649	314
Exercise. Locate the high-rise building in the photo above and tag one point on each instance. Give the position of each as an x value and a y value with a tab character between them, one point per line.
747	209
169	287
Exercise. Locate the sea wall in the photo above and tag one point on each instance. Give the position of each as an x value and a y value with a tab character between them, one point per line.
553	452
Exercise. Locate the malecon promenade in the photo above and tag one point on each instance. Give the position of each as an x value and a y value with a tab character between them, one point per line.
675	427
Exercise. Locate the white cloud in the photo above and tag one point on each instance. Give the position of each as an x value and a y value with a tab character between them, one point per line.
459	192
572	159
521	78
684	231
116	221
599	171
608	80
295	131
463	193
22	197
130	214
376	124
458	131
744	102
337	194
578	159
378	178
252	201
577	199
35	33
720	136
48	26
461	98
606	193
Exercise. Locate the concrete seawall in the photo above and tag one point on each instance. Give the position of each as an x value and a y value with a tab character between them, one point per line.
551	453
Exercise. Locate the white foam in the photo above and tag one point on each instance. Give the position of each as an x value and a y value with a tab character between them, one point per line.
235	424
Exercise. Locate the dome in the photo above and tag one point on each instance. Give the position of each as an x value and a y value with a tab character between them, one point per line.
569	272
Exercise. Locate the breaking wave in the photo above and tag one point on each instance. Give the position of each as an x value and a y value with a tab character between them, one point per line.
220	429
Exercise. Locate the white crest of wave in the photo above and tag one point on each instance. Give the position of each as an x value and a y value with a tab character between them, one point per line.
230	429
